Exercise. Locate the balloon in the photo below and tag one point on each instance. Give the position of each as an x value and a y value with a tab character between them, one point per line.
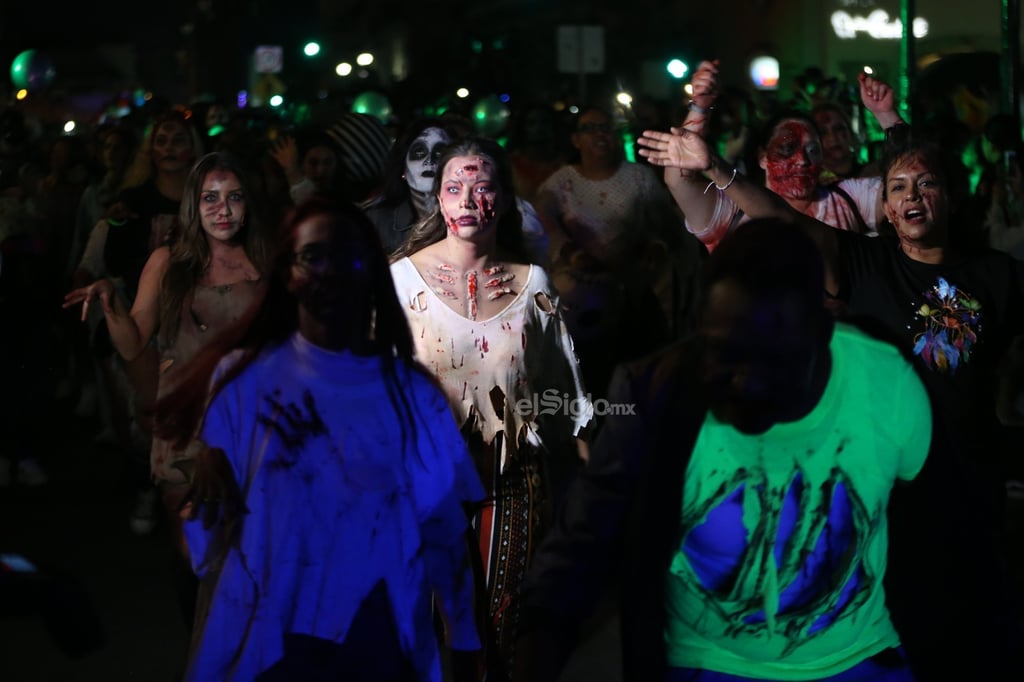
490	115
374	104
32	70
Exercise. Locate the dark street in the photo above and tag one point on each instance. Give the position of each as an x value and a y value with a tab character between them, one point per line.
75	530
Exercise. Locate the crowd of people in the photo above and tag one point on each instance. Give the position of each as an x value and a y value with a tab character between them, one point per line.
412	402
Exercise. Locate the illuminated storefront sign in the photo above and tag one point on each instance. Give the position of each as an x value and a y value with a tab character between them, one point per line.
877	24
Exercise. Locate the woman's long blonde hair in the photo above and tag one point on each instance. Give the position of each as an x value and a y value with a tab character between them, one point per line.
141	168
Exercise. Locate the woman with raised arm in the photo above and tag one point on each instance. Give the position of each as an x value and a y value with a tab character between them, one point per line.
927	287
790	154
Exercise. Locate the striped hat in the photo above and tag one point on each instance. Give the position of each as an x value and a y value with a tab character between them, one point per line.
363	142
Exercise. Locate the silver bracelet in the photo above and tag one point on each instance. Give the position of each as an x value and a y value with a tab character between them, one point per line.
725	187
696	108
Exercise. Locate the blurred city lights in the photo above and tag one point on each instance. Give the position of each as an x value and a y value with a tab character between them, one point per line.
462	93
343	69
364	59
677	68
877	24
764	72
311	49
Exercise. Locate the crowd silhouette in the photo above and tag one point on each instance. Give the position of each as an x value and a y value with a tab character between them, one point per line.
243	308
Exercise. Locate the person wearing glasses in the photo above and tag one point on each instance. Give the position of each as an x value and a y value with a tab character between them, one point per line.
591	206
327	513
618	250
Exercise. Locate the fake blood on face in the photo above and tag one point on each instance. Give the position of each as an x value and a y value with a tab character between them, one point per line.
793	160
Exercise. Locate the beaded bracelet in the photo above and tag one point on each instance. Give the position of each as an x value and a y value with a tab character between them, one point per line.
727	185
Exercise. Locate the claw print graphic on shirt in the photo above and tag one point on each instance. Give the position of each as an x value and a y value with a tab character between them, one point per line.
783	536
796	576
952	322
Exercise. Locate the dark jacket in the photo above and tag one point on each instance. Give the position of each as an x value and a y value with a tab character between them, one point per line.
620	520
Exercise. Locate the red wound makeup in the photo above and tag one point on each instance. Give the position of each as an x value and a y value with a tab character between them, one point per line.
793	160
468	196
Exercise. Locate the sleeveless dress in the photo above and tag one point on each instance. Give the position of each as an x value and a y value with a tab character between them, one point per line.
514	385
210	310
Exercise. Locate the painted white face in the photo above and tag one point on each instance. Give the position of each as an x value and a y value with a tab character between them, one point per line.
421	159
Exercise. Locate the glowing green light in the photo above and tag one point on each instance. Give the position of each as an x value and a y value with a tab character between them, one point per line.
627	144
677	68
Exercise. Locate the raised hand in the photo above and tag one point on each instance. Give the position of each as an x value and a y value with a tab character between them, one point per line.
101	289
679	149
285	151
705	84
879	99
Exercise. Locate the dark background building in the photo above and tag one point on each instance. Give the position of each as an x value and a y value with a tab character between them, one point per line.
189	51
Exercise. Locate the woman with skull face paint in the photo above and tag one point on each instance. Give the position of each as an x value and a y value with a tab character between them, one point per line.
409	178
487	324
327	509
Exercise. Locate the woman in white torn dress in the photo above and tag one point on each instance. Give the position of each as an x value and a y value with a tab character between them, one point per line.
487	324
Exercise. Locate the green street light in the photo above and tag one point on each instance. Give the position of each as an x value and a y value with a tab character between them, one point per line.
677	68
311	49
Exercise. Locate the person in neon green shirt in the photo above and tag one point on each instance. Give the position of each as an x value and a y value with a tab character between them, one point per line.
750	485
